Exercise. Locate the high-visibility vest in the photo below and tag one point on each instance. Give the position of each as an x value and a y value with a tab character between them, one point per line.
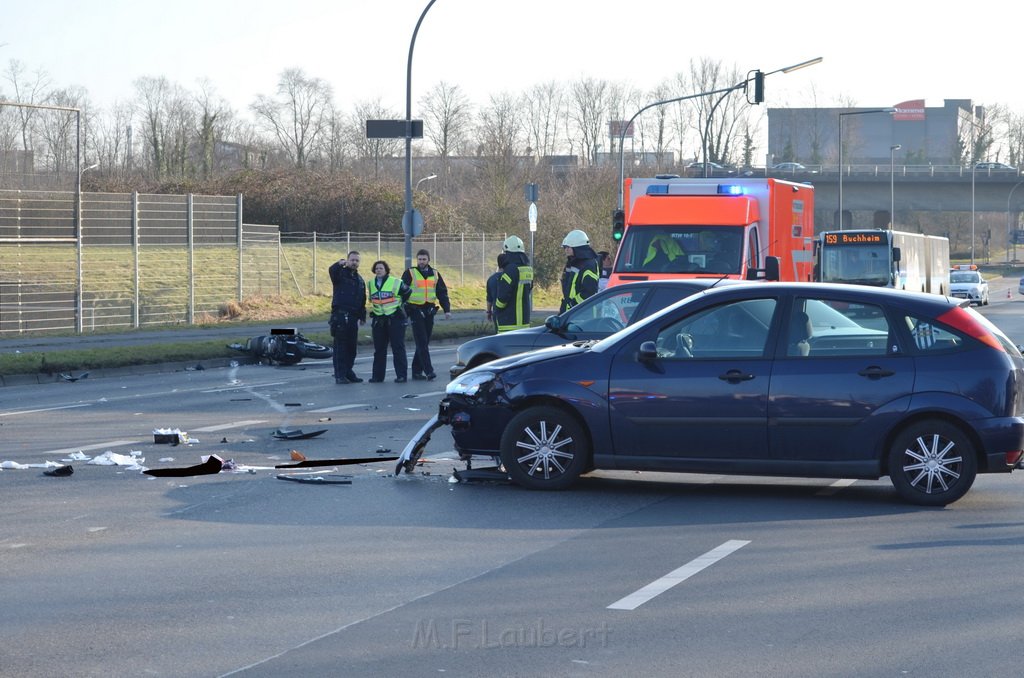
385	300
423	287
506	320
575	296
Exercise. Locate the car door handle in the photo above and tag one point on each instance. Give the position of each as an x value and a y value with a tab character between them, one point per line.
875	372
735	376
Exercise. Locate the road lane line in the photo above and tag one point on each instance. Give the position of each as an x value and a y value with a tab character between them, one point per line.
234	424
677	576
243	387
97	446
43	409
835	487
339	407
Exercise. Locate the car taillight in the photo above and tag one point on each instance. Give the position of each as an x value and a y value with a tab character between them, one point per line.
961	320
1013	457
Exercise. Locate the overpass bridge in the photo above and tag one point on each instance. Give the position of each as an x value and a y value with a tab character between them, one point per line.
929	188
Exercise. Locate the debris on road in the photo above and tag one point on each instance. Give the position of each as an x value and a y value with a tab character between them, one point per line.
211	465
60	471
296	434
328	479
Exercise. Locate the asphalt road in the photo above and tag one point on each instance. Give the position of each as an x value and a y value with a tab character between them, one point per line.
111	572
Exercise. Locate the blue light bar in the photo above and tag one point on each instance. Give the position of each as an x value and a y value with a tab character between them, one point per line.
657	189
729	189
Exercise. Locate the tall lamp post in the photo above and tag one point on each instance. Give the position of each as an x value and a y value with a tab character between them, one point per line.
739	85
426	178
1008	229
841	170
892	184
408	139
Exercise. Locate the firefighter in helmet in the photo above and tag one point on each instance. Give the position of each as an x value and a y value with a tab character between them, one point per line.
514	297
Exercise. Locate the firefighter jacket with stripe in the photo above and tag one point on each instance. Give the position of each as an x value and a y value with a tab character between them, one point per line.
579	279
513	299
428	287
386	295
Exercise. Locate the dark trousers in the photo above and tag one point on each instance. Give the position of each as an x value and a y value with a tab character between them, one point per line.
346	336
389	331
422	319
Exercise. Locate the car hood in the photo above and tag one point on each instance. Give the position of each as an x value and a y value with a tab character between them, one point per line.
537	356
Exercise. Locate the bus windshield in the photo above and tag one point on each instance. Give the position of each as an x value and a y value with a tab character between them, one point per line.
856	264
681	249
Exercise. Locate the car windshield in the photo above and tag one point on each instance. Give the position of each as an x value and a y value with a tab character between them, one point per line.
964	277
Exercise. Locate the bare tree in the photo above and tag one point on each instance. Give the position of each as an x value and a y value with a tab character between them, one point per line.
447	119
28	88
588	110
374	150
211	114
58	129
298	116
718	116
181	122
151	96
681	112
501	136
110	140
544	105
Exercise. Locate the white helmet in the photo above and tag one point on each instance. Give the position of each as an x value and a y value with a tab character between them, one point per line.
513	243
576	238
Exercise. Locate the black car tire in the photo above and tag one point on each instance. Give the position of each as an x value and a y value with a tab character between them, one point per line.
932	463
544	448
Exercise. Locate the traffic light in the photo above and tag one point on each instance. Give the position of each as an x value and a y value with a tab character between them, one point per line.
618	225
758	87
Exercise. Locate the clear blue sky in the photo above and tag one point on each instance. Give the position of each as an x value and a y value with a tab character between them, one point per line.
875	53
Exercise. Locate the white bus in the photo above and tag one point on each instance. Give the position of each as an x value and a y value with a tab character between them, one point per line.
883	258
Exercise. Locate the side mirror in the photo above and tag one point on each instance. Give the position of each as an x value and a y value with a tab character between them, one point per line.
555	323
648	352
895	253
771	268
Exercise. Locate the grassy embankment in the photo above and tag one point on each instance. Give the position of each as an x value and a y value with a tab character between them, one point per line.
254	316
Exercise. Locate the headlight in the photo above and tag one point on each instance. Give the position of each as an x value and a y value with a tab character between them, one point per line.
469	383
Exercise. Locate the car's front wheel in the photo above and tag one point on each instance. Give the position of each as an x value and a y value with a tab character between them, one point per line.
544	448
932	463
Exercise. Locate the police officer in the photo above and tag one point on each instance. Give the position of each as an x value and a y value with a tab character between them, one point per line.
428	290
582	270
513	300
348	312
387	295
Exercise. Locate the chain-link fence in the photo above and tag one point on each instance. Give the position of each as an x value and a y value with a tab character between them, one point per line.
166	259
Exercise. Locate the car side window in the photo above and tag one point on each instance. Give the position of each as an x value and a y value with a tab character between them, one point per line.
611	314
931	338
829	327
663	297
733	330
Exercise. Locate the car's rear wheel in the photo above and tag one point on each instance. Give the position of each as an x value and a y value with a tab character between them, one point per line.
932	463
544	448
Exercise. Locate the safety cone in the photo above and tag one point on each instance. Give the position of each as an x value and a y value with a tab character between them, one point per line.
1008	294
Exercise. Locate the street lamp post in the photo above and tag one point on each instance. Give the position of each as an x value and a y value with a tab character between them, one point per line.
408	138
426	178
1008	229
841	116
740	85
892	184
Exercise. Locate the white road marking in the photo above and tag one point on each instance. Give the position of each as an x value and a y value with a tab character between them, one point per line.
835	487
340	407
243	387
677	576
234	424
97	446
42	409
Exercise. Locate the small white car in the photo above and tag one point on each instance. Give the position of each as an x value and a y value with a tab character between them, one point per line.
968	284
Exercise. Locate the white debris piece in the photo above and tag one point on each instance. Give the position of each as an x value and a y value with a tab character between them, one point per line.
109	458
77	456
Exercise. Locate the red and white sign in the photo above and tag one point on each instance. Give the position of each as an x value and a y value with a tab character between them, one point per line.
909	110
